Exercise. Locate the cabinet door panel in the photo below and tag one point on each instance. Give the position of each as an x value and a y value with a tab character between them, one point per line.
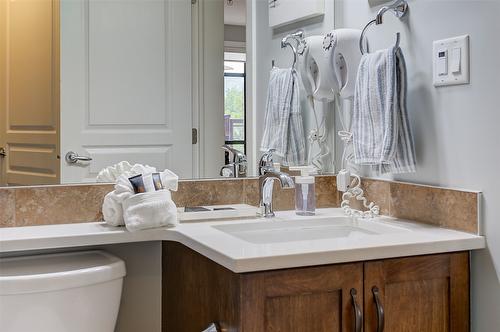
425	293
301	300
318	312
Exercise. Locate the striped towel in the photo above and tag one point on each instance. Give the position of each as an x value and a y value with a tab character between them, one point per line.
283	129
381	131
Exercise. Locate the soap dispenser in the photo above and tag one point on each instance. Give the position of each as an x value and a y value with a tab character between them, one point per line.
305	198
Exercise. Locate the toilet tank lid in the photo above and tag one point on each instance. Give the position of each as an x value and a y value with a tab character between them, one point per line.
53	272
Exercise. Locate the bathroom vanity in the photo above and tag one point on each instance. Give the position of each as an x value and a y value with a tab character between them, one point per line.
421	293
290	273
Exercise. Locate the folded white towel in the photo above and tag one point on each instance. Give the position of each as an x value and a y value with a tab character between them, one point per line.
149	210
283	129
112	173
382	134
169	180
112	210
141	211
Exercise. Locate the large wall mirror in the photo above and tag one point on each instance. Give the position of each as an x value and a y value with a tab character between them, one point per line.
85	84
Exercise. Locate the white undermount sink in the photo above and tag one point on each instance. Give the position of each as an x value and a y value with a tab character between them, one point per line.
276	231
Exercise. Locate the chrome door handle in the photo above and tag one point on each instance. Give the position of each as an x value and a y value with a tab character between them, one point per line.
380	309
358	314
73	157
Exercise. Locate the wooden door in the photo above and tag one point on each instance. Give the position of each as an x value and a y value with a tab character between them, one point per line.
302	300
418	294
126	85
29	91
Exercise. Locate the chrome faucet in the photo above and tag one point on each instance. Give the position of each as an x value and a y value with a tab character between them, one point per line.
266	162
238	166
266	181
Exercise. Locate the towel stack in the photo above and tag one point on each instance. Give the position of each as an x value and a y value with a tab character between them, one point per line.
382	136
124	207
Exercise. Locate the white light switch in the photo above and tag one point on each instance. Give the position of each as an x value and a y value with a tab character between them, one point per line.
451	61
442	62
455	60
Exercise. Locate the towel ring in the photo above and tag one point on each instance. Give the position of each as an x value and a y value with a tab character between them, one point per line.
398	8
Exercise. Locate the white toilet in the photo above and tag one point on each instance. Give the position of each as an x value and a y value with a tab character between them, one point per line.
66	292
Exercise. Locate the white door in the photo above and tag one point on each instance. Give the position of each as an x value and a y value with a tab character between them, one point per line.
125	85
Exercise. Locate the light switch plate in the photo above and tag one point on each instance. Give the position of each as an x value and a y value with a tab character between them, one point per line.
450	45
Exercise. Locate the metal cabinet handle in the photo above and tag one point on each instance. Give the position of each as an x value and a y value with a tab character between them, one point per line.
380	309
73	157
358	314
213	327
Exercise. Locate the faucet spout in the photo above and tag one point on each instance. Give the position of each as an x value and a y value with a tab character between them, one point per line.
266	190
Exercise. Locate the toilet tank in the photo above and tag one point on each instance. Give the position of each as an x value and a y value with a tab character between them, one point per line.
64	292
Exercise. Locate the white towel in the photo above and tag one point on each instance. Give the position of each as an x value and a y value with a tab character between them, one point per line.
114	202
169	180
112	210
382	134
112	173
150	210
283	129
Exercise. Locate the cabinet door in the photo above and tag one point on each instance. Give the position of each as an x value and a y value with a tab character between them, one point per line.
314	299
418	294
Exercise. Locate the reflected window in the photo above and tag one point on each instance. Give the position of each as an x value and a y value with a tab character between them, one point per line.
234	101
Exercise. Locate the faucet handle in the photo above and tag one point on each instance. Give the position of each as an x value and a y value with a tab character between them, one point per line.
238	156
266	161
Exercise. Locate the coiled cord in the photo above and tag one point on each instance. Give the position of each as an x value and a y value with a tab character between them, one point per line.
355	191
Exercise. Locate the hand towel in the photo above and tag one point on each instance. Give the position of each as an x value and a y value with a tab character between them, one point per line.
149	210
382	134
283	129
112	210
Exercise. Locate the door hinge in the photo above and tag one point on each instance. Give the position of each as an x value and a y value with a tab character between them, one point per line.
2	152
194	136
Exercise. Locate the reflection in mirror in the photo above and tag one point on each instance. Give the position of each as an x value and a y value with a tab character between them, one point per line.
183	85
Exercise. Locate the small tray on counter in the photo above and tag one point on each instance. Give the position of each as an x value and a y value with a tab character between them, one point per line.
215	212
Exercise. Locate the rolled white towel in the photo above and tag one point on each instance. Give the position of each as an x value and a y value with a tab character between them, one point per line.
150	210
169	180
112	210
123	185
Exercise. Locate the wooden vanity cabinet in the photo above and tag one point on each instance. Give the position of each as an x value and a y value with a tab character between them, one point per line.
424	293
303	299
418	294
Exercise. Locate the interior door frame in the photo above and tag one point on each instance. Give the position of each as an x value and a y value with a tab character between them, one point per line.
203	149
251	87
3	85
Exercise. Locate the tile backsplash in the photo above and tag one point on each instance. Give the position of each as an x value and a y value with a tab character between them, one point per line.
44	205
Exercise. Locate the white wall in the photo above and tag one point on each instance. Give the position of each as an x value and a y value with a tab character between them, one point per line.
456	128
140	306
268	48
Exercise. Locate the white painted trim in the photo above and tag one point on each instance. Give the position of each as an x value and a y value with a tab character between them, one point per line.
208	94
251	100
195	85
